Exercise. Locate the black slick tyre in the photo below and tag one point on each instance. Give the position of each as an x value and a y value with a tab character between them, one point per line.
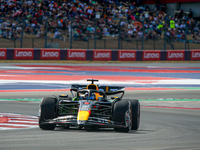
122	113
135	114
47	111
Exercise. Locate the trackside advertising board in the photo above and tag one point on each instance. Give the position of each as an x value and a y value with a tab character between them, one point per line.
102	55
50	54
76	54
126	55
175	55
151	55
23	54
3	53
195	55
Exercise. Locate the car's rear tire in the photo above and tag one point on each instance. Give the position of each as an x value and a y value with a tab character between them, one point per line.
47	111
135	114
122	113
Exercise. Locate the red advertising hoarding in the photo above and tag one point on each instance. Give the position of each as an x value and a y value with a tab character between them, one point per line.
151	55
126	55
76	54
3	53
195	55
23	54
175	55
50	54
102	55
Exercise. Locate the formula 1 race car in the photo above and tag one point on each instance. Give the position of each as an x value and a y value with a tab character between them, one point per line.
90	107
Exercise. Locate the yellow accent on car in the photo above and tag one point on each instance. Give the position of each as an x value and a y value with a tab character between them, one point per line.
83	115
107	88
92	86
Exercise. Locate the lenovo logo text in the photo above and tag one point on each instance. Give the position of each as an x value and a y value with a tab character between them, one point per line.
151	55
101	55
76	54
23	53
195	54
175	55
126	55
50	54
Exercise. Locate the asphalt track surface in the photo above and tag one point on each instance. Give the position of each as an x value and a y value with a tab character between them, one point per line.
160	128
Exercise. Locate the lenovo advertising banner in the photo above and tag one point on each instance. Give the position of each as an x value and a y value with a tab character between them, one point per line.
50	54
102	55
195	55
175	55
76	54
3	53
126	55
23	54
151	55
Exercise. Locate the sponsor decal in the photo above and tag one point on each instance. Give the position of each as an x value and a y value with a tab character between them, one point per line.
3	53
76	54
126	55
102	55
151	55
175	55
195	54
50	54
23	54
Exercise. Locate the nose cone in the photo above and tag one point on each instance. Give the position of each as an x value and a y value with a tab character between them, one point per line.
83	117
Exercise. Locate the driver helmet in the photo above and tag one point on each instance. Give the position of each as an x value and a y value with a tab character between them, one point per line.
86	95
93	96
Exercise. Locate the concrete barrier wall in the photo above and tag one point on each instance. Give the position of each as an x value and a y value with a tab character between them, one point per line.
98	55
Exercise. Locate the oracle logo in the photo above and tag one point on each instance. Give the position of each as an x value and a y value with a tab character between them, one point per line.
195	54
126	55
175	55
23	53
50	54
151	55
2	54
76	54
101	54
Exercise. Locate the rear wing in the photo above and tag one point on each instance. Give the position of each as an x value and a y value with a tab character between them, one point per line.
101	88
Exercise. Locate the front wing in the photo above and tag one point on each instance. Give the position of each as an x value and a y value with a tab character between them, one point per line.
92	121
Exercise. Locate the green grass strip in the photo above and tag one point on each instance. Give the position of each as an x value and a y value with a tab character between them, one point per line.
21	99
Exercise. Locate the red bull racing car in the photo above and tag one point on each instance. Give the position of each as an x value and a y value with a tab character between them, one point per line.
90	106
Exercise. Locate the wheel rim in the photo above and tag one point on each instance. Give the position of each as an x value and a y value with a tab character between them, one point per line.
128	117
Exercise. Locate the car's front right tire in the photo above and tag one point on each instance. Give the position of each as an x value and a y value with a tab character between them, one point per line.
122	113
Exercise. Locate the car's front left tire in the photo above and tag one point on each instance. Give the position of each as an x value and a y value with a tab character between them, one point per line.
47	111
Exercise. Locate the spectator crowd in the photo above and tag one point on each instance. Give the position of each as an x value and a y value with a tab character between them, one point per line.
115	18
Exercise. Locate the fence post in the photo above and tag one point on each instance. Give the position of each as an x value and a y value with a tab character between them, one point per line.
46	25
119	37
165	35
143	35
23	26
95	36
72	19
186	34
